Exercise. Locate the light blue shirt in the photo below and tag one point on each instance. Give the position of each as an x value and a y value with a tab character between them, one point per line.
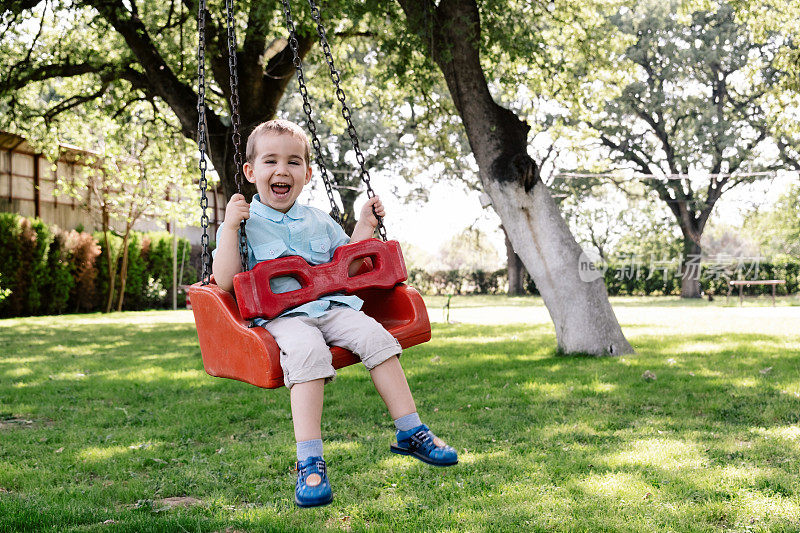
305	231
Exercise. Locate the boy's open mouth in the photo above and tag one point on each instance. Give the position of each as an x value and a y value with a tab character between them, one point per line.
280	189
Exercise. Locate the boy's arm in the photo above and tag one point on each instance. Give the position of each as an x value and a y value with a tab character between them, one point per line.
227	262
365	227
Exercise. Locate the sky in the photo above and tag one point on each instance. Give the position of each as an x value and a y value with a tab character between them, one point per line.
451	208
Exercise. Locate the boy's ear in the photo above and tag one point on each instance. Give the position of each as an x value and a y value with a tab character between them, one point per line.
308	175
248	172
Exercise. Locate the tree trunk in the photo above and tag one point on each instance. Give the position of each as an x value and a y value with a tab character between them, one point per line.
573	293
516	270
348	197
690	269
572	290
268	90
111	262
123	271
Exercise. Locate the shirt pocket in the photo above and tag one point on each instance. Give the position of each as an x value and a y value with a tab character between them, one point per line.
320	249
270	250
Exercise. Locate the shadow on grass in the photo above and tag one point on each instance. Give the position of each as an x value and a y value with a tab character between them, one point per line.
545	441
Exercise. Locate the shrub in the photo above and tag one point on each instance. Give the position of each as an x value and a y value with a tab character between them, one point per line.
36	276
58	282
159	267
136	284
82	252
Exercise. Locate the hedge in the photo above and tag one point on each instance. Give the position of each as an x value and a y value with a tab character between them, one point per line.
44	270
621	279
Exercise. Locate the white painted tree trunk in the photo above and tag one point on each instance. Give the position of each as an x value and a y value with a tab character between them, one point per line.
573	291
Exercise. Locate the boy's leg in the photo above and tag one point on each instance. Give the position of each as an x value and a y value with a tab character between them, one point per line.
312	488
379	352
306	401
306	363
377	349
391	383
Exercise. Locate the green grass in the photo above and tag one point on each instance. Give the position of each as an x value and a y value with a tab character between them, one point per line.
103	417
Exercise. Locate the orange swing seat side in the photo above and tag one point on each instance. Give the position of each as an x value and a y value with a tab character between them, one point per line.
232	349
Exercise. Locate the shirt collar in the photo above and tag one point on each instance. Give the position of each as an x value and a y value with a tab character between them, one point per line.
295	212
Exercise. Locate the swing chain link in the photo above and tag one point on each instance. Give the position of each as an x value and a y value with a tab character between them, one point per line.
298	65
201	140
236	123
351	130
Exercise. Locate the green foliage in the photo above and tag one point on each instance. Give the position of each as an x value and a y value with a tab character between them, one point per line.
4	292
47	271
59	281
645	276
778	228
776	16
109	251
149	280
632	275
457	281
82	251
137	276
157	250
36	277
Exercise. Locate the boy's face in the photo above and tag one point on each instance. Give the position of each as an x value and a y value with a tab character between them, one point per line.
279	170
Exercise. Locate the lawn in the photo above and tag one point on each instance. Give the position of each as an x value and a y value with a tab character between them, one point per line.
108	423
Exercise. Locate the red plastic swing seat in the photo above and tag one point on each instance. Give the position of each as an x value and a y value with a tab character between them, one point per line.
232	349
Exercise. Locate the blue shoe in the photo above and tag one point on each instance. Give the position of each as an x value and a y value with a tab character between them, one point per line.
313	488
421	443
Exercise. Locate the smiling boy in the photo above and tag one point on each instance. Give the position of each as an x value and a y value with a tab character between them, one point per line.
278	165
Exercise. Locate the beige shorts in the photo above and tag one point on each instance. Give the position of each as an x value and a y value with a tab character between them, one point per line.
304	341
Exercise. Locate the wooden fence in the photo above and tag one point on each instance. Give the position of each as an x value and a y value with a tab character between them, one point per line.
28	187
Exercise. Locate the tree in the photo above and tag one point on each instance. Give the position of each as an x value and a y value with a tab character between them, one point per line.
777	229
695	101
142	50
450	33
469	250
776	16
129	177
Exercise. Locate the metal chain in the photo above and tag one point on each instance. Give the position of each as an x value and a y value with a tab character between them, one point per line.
236	122
298	65
351	130
201	138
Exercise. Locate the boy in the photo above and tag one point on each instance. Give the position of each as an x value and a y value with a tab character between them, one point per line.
278	164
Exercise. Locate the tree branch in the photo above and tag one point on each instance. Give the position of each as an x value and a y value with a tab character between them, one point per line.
162	80
73	102
46	72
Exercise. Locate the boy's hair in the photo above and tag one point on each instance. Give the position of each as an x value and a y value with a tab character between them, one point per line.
277	126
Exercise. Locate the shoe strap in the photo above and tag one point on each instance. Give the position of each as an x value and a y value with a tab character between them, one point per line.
320	466
423	439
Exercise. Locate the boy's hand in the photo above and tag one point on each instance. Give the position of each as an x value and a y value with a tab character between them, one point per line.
237	210
368	216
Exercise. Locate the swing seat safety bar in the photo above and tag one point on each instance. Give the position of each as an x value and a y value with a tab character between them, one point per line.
256	299
232	349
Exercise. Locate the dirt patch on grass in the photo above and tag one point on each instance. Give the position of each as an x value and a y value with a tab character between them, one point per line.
165	504
10	422
179	501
